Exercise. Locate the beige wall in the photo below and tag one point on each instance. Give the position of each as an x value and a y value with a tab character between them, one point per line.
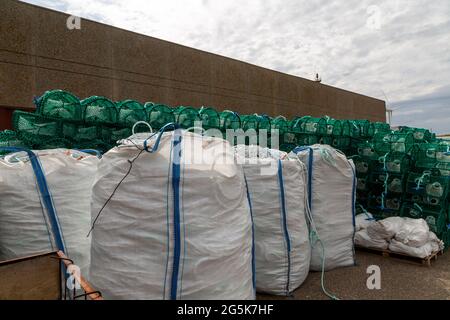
38	53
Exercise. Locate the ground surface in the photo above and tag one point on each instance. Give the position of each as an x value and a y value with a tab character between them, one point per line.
400	279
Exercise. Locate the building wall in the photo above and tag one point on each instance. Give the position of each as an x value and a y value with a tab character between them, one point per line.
38	53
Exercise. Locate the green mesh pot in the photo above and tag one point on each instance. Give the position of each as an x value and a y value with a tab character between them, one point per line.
99	110
393	183
186	117
395	162
309	124
10	138
159	115
53	143
428	187
334	127
364	127
362	165
325	140
376	127
431	152
79	132
264	123
366	149
389	203
59	104
419	134
395	141
33	128
341	143
285	135
129	112
229	120
362	183
306	139
436	216
210	118
351	129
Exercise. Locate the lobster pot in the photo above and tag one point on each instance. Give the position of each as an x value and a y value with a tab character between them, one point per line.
277	189
47	208
331	193
178	227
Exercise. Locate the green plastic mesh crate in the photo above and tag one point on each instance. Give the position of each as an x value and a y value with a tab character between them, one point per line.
129	112
428	187
99	110
79	132
309	124
210	118
159	115
364	127
59	104
350	129
186	117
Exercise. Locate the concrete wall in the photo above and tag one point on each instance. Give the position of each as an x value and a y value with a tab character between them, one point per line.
38	53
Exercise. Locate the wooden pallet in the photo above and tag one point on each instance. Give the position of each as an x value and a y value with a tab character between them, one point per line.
388	253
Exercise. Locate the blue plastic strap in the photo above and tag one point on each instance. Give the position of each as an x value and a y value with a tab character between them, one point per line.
167	127
176	211
91	151
45	195
284	221
253	234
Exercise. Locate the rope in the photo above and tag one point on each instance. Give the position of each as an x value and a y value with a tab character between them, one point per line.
422	177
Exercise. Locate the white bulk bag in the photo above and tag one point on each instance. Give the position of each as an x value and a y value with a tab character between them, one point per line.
178	226
331	186
277	189
30	221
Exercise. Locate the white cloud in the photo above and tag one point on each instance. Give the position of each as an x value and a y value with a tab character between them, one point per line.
396	50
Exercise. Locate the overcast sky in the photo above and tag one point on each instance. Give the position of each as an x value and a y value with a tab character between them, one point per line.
396	50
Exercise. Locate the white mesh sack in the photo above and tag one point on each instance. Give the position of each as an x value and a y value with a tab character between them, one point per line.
331	194
45	204
178	226
277	189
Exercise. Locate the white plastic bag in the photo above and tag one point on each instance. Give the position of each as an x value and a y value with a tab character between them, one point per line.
413	232
363	239
385	229
420	252
363	220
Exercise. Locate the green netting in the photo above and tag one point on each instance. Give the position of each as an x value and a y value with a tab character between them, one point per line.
366	149
429	187
210	118
59	104
364	127
264	122
334	127
362	165
341	143
395	141
79	132
395	182
99	110
306	139
10	138
394	162
229	120
431	152
286	137
436	216
309	124
52	143
389	204
376	127
419	134
159	115
186	117
249	121
350	129
325	140
129	112
33	128
362	183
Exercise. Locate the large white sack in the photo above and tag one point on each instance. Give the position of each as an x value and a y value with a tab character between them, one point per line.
26	226
363	239
277	189
413	232
160	237
385	229
363	220
420	252
332	186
